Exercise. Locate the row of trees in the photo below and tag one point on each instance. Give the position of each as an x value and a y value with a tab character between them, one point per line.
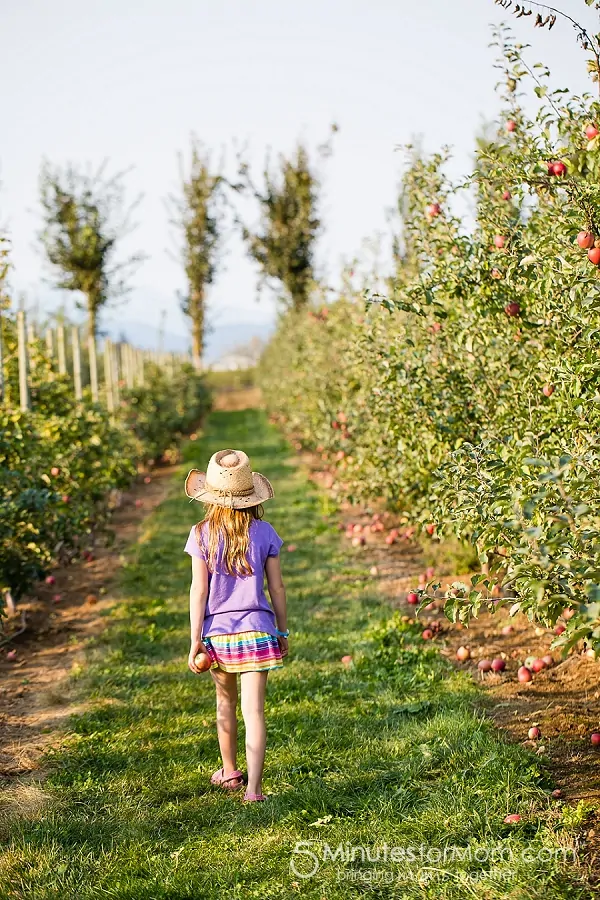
467	398
86	216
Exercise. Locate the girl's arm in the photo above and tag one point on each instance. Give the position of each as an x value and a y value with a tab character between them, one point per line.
198	596
278	597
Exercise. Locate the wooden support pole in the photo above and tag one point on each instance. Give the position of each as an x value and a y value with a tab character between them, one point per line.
110	402
93	367
116	376
76	349
62	356
2	390
22	351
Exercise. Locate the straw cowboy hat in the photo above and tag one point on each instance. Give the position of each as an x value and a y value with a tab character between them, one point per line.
229	481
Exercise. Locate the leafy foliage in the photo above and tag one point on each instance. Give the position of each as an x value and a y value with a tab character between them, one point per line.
61	463
283	244
197	215
483	358
85	217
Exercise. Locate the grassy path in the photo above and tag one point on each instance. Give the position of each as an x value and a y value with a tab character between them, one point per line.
387	752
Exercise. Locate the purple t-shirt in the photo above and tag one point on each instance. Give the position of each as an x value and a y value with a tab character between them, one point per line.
238	602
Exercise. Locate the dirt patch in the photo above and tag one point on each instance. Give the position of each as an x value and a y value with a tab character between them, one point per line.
35	699
234	400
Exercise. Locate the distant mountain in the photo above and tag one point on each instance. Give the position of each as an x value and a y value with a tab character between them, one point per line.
219	341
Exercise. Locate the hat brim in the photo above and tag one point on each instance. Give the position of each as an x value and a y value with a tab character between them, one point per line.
195	489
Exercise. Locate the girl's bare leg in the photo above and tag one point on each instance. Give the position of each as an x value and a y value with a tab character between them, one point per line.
254	686
227	695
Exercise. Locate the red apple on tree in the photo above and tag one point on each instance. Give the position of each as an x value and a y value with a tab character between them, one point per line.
591	132
432	210
585	239
559	169
54	471
499	241
548	390
507	195
511	125
412	597
594	255
430	528
513	308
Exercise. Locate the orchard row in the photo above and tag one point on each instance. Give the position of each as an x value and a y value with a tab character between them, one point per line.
63	465
466	398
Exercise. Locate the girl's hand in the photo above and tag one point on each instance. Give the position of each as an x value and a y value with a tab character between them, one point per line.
196	647
283	645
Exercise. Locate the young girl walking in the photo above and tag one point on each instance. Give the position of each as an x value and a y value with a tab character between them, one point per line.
232	550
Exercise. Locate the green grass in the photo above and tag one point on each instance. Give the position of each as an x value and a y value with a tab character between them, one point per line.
389	751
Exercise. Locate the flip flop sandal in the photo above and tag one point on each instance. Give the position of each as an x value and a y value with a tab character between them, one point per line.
233	781
250	798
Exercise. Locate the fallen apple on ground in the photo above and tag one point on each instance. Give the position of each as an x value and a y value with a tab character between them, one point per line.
524	675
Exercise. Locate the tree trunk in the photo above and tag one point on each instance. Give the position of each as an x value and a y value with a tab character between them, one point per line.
91	317
197	316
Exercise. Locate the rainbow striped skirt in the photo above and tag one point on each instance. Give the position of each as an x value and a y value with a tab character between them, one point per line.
245	651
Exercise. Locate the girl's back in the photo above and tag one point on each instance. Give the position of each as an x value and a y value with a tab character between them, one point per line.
237	602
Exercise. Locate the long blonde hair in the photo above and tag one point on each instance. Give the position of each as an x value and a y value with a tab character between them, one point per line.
233	526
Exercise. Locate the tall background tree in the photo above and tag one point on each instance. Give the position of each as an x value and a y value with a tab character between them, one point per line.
86	216
283	243
197	213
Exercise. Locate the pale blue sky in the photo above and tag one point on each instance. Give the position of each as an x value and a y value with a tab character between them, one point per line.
131	81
